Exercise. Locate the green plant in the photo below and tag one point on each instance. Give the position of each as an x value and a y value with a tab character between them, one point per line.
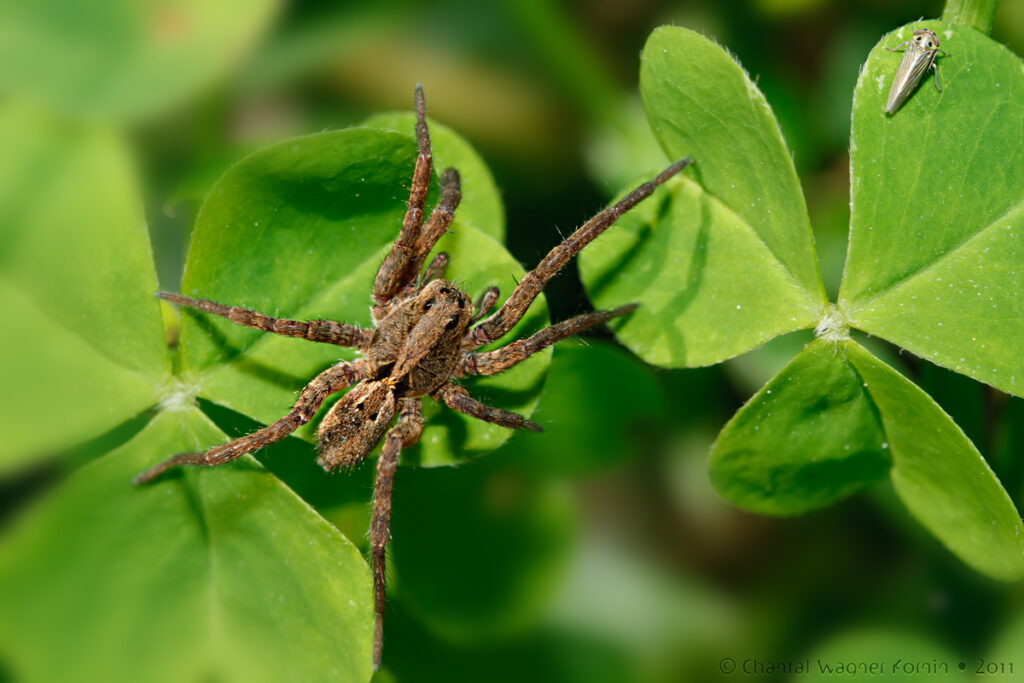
273	219
230	575
726	262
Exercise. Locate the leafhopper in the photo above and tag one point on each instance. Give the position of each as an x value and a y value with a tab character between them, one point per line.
918	56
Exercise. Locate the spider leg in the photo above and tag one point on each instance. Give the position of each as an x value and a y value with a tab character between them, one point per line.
485	303
331	380
530	286
326	331
389	278
405	433
457	398
499	360
436	268
438	222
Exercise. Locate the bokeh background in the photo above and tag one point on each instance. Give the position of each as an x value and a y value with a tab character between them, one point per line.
597	551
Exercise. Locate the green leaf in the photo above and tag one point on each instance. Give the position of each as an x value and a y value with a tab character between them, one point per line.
833	421
738	235
298	230
940	476
122	59
481	204
938	209
478	550
708	288
83	330
210	575
810	437
751	371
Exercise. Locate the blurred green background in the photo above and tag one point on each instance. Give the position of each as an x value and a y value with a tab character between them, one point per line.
596	551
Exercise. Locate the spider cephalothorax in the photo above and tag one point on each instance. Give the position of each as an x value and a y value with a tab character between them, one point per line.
425	335
413	351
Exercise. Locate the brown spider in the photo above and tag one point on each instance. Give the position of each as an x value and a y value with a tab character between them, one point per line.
423	338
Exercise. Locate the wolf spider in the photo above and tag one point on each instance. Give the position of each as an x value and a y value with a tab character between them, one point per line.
425	335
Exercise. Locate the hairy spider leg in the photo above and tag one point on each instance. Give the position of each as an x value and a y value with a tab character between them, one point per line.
331	380
435	269
485	303
457	398
389	276
405	433
500	360
533	282
437	224
325	331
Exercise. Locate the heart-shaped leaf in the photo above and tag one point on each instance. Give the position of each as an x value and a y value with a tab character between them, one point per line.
210	575
740	235
937	230
833	421
940	476
122	59
82	329
810	437
298	230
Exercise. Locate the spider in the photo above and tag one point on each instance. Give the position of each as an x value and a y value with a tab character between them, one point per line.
425	335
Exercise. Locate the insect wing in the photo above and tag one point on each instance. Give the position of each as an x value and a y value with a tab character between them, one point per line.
912	68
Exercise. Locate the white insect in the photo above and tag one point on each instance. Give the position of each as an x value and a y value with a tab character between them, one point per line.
918	57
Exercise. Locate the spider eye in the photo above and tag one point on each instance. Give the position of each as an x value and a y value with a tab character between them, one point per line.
427	306
452	322
445	290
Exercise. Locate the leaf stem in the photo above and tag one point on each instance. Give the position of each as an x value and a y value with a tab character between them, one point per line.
977	14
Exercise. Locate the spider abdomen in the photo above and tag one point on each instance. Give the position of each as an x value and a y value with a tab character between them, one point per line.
354	425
